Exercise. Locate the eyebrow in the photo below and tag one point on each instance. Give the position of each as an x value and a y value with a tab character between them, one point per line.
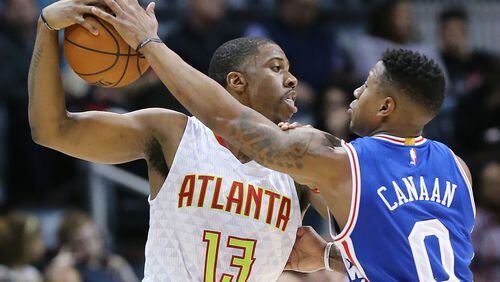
277	58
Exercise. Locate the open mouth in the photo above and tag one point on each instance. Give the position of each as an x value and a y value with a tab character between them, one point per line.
290	98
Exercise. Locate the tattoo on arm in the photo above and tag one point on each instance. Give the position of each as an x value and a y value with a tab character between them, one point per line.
262	145
35	61
331	140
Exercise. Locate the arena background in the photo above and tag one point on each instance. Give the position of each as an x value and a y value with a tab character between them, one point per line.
331	44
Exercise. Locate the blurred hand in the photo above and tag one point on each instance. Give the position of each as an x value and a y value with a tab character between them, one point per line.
287	126
307	252
64	13
131	21
64	258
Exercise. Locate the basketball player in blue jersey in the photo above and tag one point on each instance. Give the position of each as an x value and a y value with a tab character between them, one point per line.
404	203
214	213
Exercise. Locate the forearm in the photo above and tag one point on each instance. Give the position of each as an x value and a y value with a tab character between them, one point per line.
46	96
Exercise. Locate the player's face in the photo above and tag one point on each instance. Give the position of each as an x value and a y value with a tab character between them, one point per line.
271	86
368	97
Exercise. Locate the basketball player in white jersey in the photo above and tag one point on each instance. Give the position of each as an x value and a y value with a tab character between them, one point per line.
216	215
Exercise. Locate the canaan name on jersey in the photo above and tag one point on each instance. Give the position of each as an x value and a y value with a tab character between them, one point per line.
442	192
242	199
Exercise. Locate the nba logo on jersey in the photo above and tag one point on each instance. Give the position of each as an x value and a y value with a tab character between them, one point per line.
413	156
352	271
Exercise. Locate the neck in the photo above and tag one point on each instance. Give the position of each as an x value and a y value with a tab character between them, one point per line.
402	131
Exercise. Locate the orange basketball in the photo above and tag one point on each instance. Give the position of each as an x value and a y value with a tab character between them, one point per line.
105	60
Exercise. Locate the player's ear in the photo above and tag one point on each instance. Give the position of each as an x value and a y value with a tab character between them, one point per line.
387	106
236	81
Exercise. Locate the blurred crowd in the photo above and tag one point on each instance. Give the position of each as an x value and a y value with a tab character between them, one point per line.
331	46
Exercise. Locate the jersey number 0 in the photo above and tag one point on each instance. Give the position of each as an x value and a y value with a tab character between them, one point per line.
420	231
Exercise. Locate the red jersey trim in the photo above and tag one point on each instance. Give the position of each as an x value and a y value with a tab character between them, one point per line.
411	141
219	139
356	191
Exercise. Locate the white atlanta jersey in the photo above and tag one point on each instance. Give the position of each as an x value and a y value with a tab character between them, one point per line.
216	219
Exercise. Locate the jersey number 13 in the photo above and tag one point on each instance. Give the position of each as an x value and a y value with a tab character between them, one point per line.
243	262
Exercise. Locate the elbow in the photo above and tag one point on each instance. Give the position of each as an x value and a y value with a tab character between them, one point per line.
44	132
41	137
34	130
34	135
37	137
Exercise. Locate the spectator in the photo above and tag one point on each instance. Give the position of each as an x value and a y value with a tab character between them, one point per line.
308	41
335	116
82	251
389	25
469	108
20	246
306	104
16	32
26	181
204	28
486	235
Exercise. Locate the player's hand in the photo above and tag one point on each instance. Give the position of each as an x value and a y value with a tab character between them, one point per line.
287	126
133	23
307	252
64	13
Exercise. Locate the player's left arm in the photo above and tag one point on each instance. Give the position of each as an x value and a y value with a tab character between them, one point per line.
307	154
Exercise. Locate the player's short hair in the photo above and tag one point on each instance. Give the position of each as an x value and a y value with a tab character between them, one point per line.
453	13
416	76
231	55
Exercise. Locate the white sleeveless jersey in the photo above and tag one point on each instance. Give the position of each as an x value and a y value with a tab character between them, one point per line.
216	219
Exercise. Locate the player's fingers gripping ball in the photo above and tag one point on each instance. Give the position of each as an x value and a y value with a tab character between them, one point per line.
104	60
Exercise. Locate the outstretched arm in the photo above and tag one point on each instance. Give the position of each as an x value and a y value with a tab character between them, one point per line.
307	154
94	136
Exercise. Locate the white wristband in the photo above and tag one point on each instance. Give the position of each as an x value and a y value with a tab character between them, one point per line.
326	256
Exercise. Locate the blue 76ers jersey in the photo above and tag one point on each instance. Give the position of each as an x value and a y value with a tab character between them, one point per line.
412	212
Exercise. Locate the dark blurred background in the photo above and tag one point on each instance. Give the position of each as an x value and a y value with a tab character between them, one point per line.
57	212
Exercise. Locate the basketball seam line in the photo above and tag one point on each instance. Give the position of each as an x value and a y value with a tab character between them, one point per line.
99	51
124	70
117	55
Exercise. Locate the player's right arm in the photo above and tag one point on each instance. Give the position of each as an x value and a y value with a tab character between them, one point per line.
94	136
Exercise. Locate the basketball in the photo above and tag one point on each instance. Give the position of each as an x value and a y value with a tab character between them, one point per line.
104	60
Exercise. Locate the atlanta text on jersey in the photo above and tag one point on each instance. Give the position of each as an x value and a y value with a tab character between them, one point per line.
242	198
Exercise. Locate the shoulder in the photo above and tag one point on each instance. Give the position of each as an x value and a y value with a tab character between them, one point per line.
459	161
152	115
158	119
328	155
466	169
362	144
